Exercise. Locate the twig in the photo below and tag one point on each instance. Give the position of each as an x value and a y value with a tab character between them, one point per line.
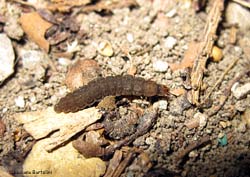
220	80
24	3
243	3
123	165
226	93
179	157
205	48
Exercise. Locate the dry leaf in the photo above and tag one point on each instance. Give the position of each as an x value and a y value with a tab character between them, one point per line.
188	59
35	27
41	123
178	91
65	161
66	5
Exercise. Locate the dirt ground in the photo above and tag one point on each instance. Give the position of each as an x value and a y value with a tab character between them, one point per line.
146	37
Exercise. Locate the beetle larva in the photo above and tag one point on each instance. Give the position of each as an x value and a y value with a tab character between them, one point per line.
112	85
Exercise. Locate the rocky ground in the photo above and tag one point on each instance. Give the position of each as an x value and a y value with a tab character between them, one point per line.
146	40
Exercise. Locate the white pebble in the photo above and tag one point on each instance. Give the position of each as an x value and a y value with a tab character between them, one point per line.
20	102
171	13
150	141
160	66
31	58
7	57
202	119
161	105
170	42
130	37
240	91
64	61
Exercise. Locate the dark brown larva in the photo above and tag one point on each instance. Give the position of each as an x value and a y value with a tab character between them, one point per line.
112	85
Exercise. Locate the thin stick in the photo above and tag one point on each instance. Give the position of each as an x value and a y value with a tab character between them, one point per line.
226	93
220	79
205	48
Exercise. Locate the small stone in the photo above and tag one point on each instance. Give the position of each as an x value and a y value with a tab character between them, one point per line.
161	105
7	57
237	14
160	66
31	58
170	42
223	124
130	37
222	140
105	48
193	154
221	134
20	102
81	73
150	140
240	91
202	119
171	13
242	127
64	61
217	54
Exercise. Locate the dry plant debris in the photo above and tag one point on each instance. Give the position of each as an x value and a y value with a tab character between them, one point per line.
66	5
188	59
2	128
41	123
65	161
7	58
205	47
35	27
82	72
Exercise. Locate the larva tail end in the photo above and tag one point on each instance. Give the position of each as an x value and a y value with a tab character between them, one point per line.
57	108
162	90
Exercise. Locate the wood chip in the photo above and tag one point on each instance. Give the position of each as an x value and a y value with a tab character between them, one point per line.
42	123
35	27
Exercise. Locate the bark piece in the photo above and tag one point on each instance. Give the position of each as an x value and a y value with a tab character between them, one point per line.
42	123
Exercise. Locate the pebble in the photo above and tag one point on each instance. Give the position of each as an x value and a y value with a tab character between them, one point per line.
222	140
105	48
171	13
237	14
202	119
31	58
64	61
81	72
240	91
179	104
242	127
20	102
150	140
161	105
7	57
217	54
221	135
160	66
193	154
130	37
170	42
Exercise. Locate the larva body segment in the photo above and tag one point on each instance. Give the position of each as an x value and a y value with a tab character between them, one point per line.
112	85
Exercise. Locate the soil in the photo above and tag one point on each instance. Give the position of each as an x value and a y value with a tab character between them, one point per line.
150	27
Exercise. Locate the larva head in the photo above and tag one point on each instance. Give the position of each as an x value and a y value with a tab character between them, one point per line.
162	90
